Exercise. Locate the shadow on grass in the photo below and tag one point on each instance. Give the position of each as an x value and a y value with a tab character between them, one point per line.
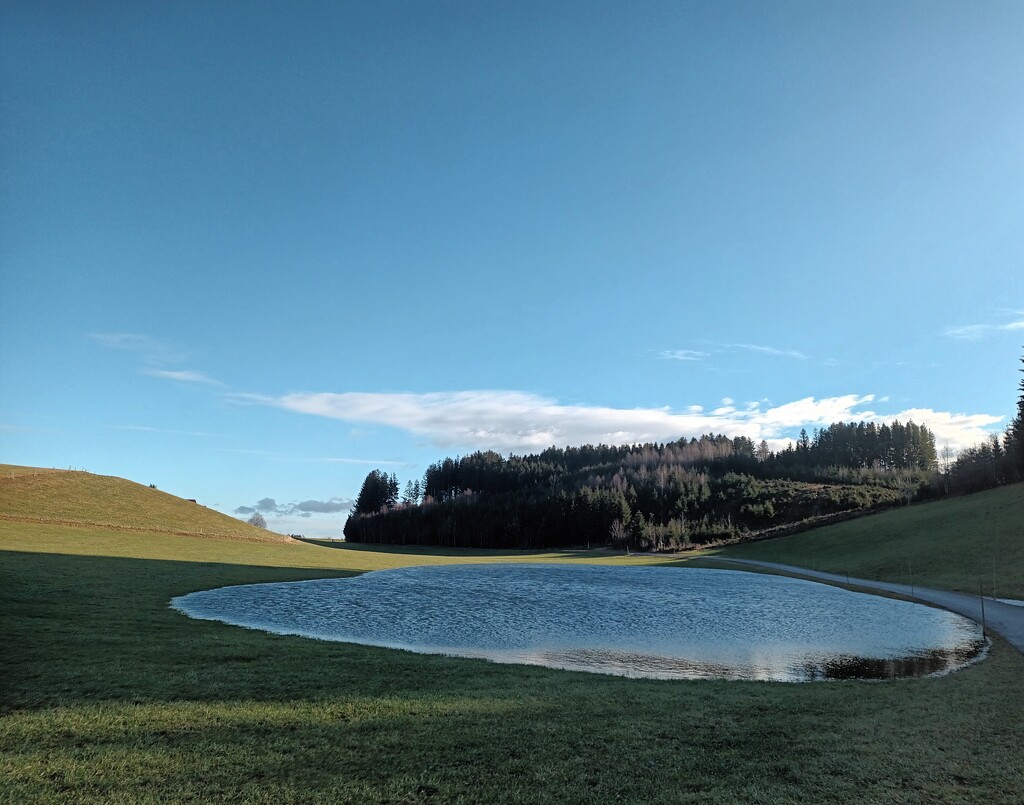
100	628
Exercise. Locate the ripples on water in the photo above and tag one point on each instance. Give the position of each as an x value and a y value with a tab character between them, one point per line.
661	623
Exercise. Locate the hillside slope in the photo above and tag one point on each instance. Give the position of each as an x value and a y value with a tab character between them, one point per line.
69	497
969	543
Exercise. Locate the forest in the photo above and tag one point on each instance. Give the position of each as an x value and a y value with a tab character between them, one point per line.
697	491
648	497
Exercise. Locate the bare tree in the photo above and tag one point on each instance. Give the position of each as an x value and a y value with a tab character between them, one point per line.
945	462
257	520
618	534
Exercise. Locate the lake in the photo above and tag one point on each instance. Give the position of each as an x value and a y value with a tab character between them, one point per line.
653	622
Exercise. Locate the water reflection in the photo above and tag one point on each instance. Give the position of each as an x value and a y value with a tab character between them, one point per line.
662	623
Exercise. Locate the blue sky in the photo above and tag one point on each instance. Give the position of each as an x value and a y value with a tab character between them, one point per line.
251	251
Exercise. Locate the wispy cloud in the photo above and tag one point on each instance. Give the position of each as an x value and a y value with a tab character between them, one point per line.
700	355
514	420
781	353
148	429
183	376
974	332
148	348
683	355
155	353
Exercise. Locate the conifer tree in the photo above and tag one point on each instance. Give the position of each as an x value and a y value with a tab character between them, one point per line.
1016	433
377	493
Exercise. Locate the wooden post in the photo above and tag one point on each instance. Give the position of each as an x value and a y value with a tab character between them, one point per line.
981	595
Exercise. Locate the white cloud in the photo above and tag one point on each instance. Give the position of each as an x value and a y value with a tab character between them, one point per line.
810	411
184	376
956	430
696	355
149	348
973	332
782	353
519	421
683	355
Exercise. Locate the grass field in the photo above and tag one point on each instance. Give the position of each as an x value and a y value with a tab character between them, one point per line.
109	696
967	543
71	497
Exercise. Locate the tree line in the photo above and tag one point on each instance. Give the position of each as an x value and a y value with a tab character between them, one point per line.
996	461
667	496
647	497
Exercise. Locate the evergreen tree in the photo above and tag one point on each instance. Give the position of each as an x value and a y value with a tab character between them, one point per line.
392	498
376	493
1016	434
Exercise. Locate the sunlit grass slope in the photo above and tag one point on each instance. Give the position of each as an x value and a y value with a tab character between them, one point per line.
964	543
11	470
68	497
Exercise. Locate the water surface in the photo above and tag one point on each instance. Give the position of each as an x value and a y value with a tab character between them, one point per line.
665	623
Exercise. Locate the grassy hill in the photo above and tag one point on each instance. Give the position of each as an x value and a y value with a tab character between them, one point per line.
69	497
965	543
11	470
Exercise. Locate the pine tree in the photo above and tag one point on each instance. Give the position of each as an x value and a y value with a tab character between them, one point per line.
411	495
376	493
1015	435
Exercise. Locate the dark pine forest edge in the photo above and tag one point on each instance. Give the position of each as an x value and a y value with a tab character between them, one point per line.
672	496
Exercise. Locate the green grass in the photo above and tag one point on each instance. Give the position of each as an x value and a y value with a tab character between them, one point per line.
70	497
957	544
109	696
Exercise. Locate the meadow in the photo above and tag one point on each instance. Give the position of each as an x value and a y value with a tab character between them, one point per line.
969	544
109	696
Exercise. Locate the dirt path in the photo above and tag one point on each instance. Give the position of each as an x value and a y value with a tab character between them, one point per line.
1006	619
